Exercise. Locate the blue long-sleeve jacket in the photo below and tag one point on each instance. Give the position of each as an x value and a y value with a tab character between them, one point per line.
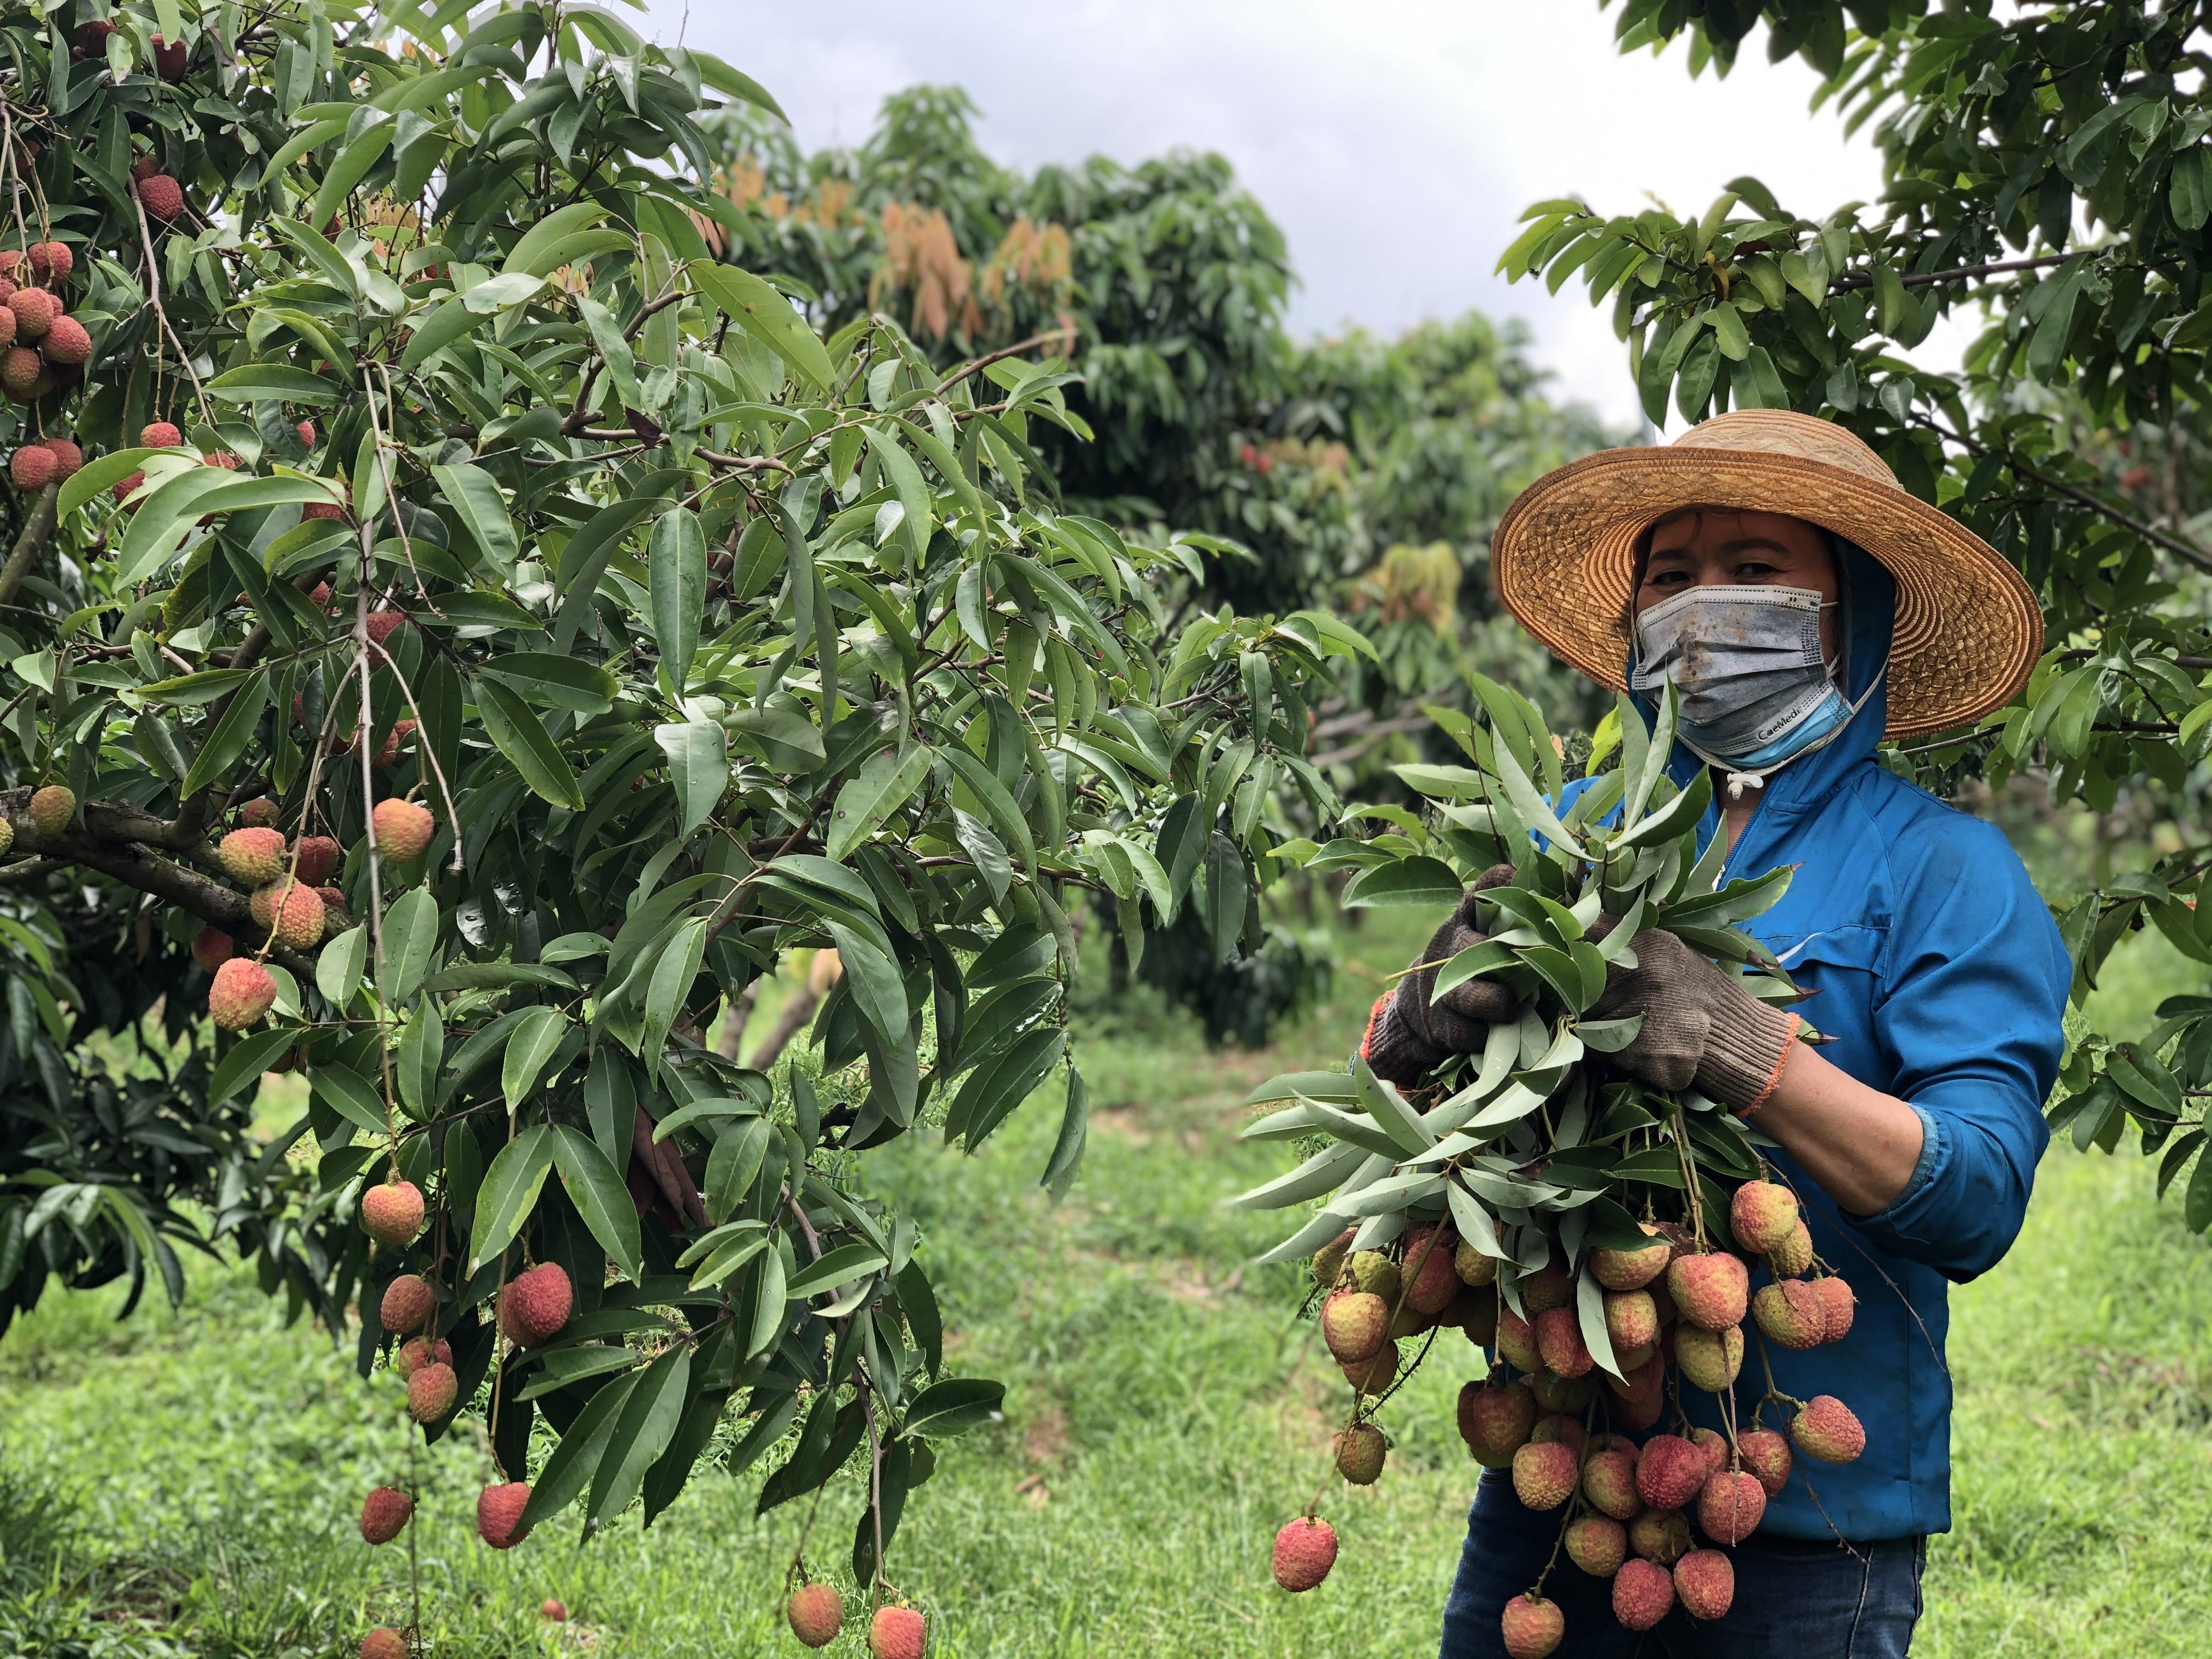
1939	973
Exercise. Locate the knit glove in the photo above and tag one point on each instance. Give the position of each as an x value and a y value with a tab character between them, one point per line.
1409	1034
1701	1027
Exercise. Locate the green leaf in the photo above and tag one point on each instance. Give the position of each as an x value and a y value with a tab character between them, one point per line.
564	1474
249	1057
675	560
513	726
230	737
756	307
1427	882
530	1045
530	254
510	1190
483	511
352	1096
556	682
955	1405
878	989
274	383
421	1050
348	168
647	1422
913	493
698	765
880	788
411	935
337	968
98	478
833	1268
597	1190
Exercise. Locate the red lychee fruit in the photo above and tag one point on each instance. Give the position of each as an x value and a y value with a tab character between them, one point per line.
326	509
1794	1255
431	1392
1631	1320
1473	1267
294	914
1559	1342
499	1511
335	919
11	262
1789	1312
160	435
1710	1359
1533	1626
902	1633
381	625
169	59
1565	1430
66	342
1704	1580
551	1608
36	310
1762	1215
1767	1455
212	947
1731	1505
146	166
407	1306
1669	1472
220	458
253	856
1609	1483
163	196
52	261
535	1305
124	488
1517	1341
1305	1549
1495	1419
1433	1282
384	1514
33	467
6	317
1561	1393
307	430
383	1643
1836	1305
1643	1593
421	1351
92	38
243	991
317	855
1660	1536
1372	1377
392	1212
67	458
1827	1430
401	829
1551	1286
1360	1451
1544	1474
1711	1288
817	1614
21	369
1597	1544
1354	1324
259	813
52	808
1643	1397
1716	1449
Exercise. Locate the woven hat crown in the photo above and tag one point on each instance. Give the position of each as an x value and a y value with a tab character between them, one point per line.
1784	432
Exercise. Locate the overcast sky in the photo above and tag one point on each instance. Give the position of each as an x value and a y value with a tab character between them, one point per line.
1396	142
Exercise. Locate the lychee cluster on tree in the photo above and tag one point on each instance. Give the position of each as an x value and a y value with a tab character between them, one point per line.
472	634
1593	1238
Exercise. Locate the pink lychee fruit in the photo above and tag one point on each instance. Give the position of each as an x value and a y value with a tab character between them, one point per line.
1533	1626
1670	1472
1544	1474
1305	1549
536	1303
1705	1582
817	1614
243	991
1597	1544
1827	1430
407	1306
499	1512
392	1212
384	1513
1710	1288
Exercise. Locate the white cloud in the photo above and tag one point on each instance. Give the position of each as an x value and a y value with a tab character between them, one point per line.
1396	142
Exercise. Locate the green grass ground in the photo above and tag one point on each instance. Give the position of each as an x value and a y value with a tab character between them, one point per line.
187	1484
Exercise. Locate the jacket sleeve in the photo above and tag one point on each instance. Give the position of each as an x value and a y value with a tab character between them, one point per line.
1970	1004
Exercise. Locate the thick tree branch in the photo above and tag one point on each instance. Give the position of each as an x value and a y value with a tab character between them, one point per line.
1958	273
36	530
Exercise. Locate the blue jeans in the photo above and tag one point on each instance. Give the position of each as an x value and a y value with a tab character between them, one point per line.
1803	1598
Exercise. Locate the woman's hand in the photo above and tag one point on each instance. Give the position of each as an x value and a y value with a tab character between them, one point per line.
1412	1031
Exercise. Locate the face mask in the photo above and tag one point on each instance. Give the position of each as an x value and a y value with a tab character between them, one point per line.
1755	691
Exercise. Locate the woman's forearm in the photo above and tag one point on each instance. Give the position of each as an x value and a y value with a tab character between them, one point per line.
1860	1144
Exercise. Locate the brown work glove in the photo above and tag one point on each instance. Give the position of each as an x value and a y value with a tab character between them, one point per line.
1409	1035
1701	1027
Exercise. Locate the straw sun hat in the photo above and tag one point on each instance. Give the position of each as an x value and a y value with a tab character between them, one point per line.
1968	631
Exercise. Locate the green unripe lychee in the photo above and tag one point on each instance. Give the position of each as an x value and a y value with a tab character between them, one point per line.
1544	1474
1828	1430
1709	1359
1789	1312
1354	1324
1376	1273
1711	1288
1597	1544
1532	1626
52	809
1360	1451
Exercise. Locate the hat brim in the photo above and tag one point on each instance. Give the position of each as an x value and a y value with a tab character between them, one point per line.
1967	630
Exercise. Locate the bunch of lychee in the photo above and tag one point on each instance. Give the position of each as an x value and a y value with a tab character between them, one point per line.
1633	1512
42	347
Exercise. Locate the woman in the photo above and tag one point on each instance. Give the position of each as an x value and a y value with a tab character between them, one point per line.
1768	566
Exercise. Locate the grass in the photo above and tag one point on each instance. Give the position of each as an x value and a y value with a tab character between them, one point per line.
186	1483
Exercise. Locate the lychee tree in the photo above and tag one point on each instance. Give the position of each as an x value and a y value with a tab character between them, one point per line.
476	636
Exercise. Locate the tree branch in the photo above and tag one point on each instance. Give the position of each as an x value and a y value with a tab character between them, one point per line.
1958	273
36	531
